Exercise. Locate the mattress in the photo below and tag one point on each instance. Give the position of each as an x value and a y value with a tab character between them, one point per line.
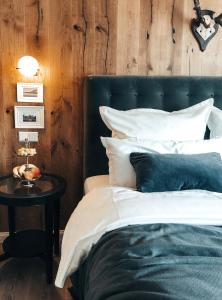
95	182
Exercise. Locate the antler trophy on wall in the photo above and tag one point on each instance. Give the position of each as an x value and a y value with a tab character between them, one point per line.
204	26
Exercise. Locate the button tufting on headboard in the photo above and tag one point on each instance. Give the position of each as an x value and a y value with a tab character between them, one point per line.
128	92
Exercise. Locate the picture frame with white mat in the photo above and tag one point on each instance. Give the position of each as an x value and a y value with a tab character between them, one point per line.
29	117
29	92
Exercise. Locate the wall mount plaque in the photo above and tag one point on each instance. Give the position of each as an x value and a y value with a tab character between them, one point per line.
204	26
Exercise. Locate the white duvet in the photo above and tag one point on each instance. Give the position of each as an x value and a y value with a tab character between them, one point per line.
108	208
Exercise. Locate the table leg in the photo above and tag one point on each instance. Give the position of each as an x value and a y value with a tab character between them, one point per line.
11	220
49	241
56	226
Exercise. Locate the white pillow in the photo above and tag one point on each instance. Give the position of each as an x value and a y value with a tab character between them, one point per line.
215	123
153	124
121	172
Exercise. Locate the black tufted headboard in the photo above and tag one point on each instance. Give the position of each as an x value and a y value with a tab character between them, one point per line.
128	92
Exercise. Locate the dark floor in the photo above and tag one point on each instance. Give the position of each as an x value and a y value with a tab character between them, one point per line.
24	279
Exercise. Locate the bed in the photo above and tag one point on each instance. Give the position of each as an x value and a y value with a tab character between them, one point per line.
129	250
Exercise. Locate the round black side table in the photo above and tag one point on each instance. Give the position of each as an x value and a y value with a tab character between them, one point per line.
30	243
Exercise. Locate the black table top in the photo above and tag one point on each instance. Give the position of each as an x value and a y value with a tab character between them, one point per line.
46	188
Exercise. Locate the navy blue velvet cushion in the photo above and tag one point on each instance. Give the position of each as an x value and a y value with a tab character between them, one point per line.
175	172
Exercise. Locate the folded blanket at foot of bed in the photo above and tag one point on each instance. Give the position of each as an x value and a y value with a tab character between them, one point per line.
153	261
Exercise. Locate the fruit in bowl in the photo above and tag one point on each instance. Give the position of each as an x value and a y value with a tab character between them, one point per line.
28	172
32	174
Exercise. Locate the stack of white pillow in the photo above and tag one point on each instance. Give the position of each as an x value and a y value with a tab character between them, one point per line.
157	131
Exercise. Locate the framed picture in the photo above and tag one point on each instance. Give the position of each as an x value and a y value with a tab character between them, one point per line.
29	92
29	116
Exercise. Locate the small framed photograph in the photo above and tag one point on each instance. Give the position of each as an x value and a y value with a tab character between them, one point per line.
29	116
29	92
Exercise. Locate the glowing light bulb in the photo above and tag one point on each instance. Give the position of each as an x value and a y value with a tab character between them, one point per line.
28	66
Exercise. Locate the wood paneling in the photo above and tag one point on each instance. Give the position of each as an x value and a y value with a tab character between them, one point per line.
74	38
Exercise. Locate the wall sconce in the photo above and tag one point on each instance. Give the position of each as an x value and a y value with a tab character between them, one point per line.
28	66
205	26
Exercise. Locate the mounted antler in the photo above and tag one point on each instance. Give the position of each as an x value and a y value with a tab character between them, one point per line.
205	26
204	16
198	9
218	20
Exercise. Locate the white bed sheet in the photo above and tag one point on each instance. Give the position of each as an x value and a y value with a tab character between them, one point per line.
95	182
105	209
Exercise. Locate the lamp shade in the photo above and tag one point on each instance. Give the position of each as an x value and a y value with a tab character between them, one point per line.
28	66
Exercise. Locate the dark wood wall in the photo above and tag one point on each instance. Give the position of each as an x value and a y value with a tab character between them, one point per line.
73	38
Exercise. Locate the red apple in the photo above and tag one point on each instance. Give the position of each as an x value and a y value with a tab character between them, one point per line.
36	172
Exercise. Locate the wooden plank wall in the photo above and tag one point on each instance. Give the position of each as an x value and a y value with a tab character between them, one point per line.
73	38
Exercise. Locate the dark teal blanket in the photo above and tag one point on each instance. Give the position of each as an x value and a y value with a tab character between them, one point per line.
155	261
